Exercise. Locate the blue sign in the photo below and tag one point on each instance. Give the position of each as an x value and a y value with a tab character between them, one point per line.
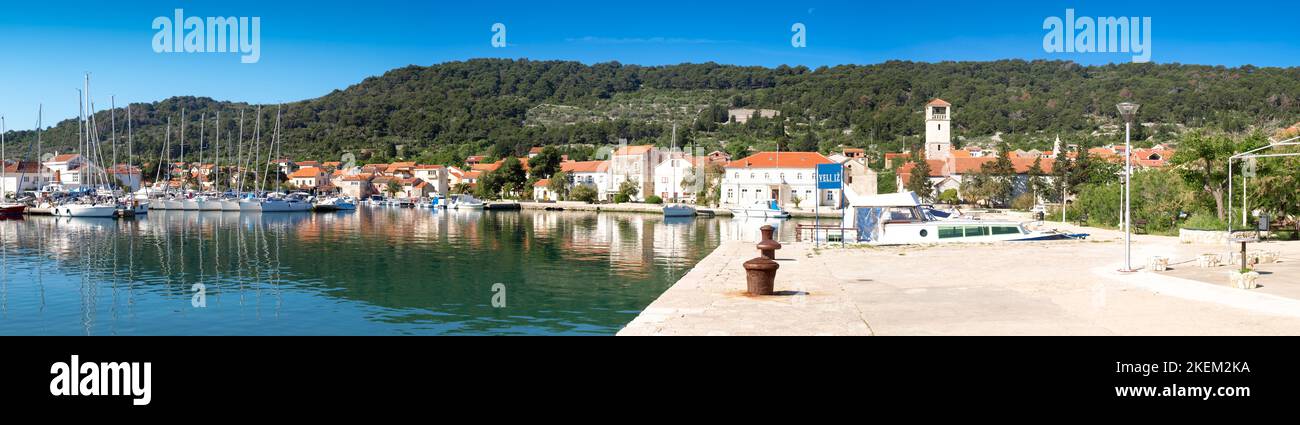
829	176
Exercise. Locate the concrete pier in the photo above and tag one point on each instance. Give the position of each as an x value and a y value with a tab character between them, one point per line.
658	209
1025	288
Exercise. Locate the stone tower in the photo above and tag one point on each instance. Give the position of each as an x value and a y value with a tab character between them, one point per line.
938	129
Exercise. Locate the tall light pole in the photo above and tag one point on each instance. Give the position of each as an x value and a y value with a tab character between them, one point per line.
1128	111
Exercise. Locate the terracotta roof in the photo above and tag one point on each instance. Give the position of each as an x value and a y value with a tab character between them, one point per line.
428	167
306	173
535	149
65	157
472	174
940	168
781	160
584	166
938	102
542	183
634	150
399	166
308	163
22	167
358	177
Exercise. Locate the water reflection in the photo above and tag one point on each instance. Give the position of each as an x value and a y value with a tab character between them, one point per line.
373	271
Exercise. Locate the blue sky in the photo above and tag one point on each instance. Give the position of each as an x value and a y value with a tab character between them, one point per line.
309	49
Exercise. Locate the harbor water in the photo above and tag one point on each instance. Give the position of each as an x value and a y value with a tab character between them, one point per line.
375	271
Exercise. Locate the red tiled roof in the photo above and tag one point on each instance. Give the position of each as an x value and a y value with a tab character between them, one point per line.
781	160
634	150
938	102
65	157
542	183
583	166
306	173
940	168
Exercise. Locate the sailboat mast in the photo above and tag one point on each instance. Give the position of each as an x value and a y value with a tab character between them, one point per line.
216	157
239	156
112	120
4	160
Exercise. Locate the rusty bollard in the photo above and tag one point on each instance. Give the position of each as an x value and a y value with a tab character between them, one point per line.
760	276
768	246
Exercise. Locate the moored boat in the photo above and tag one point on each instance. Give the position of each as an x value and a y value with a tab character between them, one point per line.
761	209
679	210
900	219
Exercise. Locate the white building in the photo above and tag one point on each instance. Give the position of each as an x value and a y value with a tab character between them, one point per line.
435	175
69	170
784	177
675	179
21	176
593	174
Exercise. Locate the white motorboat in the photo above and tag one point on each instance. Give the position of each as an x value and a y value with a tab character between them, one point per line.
761	209
290	203
465	202
900	219
336	204
679	210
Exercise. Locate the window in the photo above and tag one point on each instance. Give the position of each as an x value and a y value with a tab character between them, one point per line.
949	232
977	231
830	196
798	176
767	176
1006	230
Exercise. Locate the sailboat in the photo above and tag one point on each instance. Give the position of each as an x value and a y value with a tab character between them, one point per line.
90	204
8	208
231	204
296	202
676	209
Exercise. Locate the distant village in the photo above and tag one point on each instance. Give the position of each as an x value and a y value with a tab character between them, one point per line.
667	174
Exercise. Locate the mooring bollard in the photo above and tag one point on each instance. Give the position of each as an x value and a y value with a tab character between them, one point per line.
760	276
768	246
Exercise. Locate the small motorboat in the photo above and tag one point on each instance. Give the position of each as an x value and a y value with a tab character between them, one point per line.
12	208
761	209
336	204
465	202
679	210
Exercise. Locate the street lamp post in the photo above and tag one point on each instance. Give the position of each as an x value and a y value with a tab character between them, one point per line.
1128	111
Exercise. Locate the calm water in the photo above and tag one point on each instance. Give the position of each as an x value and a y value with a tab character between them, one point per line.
374	271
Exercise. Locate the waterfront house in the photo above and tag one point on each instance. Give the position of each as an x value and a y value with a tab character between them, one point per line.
355	185
308	178
542	191
675	178
635	164
414	188
69	170
790	178
593	174
435	175
21	176
126	175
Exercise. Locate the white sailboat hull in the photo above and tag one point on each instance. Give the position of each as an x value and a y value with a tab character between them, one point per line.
230	205
209	205
93	211
250	205
190	205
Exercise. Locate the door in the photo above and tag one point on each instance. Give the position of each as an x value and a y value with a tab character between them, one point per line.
776	194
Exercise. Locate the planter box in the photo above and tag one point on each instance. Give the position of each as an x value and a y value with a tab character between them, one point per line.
1158	264
1248	280
1206	261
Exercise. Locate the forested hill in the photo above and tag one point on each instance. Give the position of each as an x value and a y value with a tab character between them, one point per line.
451	109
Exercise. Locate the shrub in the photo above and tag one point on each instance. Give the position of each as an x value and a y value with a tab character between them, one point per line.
1204	221
621	198
654	199
949	197
1024	202
583	194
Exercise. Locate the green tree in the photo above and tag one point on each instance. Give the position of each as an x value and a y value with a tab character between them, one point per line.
559	185
545	163
919	180
1202	160
584	193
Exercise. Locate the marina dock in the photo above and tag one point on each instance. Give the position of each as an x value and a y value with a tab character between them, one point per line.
1017	288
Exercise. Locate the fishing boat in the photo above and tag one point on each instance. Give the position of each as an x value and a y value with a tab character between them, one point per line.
761	209
679	210
900	219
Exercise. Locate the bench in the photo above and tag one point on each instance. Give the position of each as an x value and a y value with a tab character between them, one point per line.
1140	226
